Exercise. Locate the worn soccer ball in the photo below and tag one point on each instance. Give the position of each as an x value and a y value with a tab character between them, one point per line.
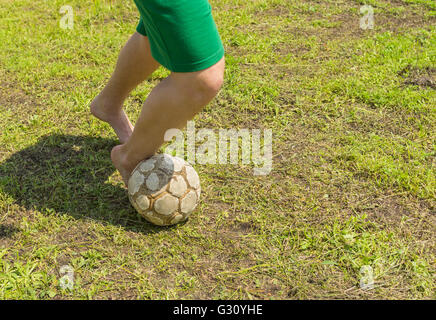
164	190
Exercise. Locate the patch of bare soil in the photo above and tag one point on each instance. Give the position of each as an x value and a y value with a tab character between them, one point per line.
422	77
7	230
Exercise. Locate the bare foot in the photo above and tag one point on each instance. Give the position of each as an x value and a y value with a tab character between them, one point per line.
118	120
119	161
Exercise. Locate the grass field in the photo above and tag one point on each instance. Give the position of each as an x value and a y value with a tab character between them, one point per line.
354	172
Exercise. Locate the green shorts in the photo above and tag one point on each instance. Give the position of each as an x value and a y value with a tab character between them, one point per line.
182	33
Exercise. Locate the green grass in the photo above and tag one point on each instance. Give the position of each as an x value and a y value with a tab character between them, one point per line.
353	184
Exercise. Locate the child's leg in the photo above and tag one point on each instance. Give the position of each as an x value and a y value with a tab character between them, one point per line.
134	65
170	105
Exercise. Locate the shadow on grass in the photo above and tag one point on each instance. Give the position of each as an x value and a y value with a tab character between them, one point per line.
68	175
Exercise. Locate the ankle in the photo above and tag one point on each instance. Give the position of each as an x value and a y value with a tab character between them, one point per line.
132	156
105	103
126	159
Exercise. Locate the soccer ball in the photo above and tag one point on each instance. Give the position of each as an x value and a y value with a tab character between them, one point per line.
164	190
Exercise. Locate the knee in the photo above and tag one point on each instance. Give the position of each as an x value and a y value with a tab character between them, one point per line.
212	81
209	82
